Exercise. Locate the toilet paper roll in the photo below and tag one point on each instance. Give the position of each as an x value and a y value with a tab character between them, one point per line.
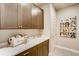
11	41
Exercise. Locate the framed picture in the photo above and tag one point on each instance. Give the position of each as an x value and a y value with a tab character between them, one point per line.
68	27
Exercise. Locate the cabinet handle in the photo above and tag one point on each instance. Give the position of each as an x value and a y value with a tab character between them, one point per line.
26	53
20	26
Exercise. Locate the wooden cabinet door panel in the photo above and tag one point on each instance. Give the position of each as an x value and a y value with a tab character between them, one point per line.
9	15
40	19
37	17
33	51
45	48
26	16
40	50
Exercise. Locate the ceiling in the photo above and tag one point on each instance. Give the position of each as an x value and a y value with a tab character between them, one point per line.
40	4
59	6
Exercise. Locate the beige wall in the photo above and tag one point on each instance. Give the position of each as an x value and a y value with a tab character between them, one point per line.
68	44
5	34
47	19
52	29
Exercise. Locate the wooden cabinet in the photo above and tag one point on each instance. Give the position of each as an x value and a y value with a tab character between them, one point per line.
31	16
29	52
26	16
41	49
37	17
45	48
9	15
20	16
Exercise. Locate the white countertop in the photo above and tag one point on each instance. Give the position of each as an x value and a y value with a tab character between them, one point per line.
10	51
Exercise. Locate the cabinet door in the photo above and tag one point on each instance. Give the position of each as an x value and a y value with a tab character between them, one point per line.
9	15
45	48
33	51
37	17
40	50
26	16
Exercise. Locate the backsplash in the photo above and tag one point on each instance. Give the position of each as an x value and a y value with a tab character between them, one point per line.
5	34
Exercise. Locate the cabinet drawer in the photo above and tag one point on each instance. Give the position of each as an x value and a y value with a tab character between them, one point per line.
25	53
30	52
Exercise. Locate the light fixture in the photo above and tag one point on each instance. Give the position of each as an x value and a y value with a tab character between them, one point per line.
24	3
35	11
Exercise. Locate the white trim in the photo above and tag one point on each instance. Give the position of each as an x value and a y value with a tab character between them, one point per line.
68	49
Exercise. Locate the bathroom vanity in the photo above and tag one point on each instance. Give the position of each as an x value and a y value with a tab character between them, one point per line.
38	50
33	47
